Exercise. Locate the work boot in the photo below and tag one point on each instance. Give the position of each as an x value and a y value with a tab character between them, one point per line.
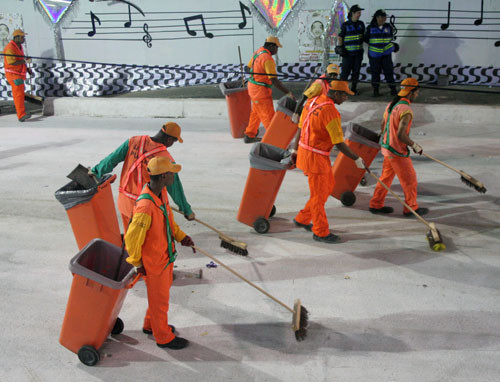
150	331
354	88
376	92
394	92
307	227
421	211
248	139
383	210
330	238
25	117
176	344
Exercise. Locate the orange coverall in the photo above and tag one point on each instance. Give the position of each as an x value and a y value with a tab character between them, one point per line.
259	90
149	245
15	74
318	87
396	159
135	154
321	130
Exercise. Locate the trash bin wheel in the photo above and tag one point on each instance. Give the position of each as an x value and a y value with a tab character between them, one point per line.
273	212
118	328
363	181
88	355
348	198
261	225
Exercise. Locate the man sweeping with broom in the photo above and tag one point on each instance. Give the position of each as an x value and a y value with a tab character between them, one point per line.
395	139
135	153
321	130
150	244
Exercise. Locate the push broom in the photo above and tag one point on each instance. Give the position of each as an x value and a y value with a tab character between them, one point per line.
433	235
227	242
300	315
466	178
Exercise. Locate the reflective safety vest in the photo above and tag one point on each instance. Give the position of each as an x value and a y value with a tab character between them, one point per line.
129	186
172	253
325	86
385	138
380	41
304	139
258	67
17	70
353	40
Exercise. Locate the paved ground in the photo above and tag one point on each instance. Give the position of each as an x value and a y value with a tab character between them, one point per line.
384	307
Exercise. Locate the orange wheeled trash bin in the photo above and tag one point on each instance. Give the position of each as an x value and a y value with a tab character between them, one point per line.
238	106
91	212
101	279
346	175
268	165
282	130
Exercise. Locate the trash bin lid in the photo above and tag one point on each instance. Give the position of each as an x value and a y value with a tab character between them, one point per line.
287	105
72	194
231	87
264	156
99	261
357	133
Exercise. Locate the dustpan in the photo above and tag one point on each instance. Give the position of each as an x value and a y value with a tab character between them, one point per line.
81	176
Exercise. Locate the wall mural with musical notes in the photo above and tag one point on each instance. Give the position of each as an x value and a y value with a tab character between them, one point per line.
196	42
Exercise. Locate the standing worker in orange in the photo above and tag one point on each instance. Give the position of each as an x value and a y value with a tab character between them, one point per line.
395	130
15	71
321	130
318	87
259	87
150	244
135	153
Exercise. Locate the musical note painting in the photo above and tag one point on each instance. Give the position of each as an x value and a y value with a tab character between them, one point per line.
129	22
474	22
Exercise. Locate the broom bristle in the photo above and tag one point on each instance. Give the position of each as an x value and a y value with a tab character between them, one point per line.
233	248
301	334
435	240
477	185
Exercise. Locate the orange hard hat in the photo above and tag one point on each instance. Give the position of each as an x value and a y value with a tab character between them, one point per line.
333	68
161	165
340	86
408	84
18	32
275	40
172	129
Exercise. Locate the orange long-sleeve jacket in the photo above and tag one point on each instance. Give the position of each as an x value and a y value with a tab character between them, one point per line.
150	238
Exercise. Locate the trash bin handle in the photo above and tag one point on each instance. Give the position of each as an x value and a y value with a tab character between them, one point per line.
109	181
134	281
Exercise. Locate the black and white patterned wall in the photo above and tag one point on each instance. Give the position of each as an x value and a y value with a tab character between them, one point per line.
90	80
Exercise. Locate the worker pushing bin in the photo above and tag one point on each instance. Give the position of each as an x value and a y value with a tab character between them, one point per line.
268	165
101	279
282	130
91	211
346	175
238	106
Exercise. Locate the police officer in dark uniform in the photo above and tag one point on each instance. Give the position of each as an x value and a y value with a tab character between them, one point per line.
350	41
379	36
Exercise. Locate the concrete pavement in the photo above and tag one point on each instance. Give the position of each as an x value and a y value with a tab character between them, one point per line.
383	306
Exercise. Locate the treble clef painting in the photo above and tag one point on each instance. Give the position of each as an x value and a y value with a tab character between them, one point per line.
147	37
392	21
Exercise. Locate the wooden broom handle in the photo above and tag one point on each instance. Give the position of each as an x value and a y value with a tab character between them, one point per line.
205	224
444	164
401	200
243	278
